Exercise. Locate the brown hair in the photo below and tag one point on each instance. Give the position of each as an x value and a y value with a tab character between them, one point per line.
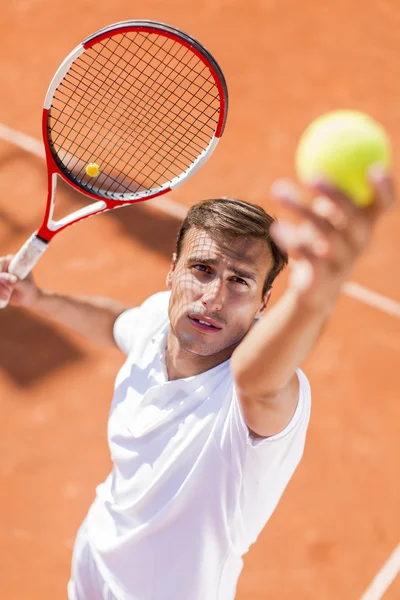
228	216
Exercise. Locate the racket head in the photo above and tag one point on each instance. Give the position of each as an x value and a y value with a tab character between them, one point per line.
144	101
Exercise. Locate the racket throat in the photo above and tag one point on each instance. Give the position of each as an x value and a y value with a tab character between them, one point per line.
50	226
49	229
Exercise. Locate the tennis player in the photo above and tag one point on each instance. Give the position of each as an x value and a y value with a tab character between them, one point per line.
210	411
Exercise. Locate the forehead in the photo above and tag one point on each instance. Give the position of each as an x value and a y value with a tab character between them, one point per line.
244	250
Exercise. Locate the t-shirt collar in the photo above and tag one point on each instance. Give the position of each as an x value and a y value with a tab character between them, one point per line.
159	341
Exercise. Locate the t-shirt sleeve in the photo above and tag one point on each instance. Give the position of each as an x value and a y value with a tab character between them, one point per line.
152	312
298	423
257	454
269	463
124	328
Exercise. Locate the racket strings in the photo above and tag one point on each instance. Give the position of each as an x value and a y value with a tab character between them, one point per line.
112	118
139	133
168	65
131	69
122	140
77	102
160	132
156	132
118	108
191	84
172	91
177	141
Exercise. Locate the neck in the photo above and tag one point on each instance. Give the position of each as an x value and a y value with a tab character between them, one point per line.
182	363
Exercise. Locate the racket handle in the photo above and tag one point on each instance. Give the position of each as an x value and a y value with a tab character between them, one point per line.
27	256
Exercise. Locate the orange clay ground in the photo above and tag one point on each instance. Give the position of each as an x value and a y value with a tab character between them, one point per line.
285	62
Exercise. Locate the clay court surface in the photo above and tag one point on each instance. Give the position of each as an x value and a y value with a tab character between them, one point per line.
285	63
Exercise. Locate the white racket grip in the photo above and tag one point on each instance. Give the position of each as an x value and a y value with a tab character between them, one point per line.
26	258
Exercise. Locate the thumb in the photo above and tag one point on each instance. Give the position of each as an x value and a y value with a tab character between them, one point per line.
301	276
8	278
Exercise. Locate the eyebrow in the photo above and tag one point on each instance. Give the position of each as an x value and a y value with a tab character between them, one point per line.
214	262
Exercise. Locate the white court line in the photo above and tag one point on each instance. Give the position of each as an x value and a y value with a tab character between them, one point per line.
359	292
178	211
34	146
384	578
26	142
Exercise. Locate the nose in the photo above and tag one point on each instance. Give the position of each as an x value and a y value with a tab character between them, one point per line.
213	295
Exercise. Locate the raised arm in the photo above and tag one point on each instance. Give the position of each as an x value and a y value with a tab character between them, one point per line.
93	318
326	243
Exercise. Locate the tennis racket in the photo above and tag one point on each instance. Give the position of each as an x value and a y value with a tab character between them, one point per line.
133	112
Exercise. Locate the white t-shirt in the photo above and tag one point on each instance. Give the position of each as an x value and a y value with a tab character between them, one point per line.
190	490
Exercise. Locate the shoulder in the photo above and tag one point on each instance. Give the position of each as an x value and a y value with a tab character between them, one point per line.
155	306
147	318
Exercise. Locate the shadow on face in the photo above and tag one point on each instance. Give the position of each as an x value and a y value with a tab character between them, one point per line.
216	291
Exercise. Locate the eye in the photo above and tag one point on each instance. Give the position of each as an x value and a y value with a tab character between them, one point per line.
201	268
239	280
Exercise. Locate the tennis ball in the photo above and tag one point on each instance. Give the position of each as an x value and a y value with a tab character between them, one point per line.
341	146
92	170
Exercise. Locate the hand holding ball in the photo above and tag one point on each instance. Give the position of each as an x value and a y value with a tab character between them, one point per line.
341	146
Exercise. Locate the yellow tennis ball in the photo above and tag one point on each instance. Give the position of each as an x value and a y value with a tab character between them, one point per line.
92	170
341	146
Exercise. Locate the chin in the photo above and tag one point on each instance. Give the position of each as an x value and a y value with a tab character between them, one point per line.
196	346
191	343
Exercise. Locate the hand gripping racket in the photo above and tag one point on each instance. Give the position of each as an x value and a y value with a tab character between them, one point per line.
131	113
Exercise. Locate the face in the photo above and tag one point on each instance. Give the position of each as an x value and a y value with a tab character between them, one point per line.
216	292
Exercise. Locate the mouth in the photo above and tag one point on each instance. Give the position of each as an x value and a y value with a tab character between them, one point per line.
204	324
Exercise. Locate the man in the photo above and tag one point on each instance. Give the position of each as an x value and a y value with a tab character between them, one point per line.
210	410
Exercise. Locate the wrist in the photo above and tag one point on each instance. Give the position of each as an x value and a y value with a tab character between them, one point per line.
314	302
37	300
314	289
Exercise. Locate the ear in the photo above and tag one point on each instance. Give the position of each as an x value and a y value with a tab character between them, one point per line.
168	280
264	303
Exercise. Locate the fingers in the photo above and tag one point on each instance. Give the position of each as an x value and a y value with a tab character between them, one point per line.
304	241
327	210
7	283
332	232
383	195
8	279
322	213
334	216
4	262
384	190
319	235
341	201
